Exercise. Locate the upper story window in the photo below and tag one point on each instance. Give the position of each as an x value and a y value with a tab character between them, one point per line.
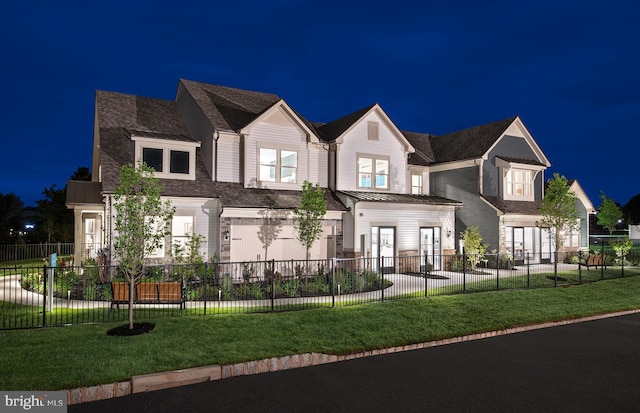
416	184
278	165
518	179
373	172
372	131
519	184
169	159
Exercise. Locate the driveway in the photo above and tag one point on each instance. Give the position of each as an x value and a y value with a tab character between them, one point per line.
585	367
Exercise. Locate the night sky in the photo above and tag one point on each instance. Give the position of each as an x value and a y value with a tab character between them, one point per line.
569	69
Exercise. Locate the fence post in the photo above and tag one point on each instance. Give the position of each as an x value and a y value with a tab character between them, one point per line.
528	270
555	269
44	296
603	263
579	267
464	272
426	271
382	278
273	284
204	288
498	271
333	282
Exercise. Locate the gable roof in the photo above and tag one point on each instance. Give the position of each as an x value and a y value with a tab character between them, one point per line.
227	108
335	130
332	130
470	143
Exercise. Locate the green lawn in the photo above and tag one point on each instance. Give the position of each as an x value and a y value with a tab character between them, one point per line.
67	357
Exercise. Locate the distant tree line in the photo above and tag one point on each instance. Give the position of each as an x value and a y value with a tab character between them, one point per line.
52	220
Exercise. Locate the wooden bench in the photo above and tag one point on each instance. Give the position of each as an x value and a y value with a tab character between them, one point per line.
595	261
148	293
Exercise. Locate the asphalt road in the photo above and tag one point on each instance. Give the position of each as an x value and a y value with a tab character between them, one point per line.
585	367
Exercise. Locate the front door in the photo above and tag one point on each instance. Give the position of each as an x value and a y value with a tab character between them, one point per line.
430	248
383	248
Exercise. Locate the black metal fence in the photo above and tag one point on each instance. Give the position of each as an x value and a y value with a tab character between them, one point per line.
43	296
21	252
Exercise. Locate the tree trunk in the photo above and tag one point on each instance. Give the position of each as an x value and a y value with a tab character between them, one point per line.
132	289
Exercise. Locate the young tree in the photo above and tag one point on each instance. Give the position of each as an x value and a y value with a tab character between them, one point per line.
307	218
272	220
558	211
473	246
609	214
140	225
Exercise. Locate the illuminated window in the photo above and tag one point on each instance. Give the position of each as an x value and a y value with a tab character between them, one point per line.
278	165
416	184
373	172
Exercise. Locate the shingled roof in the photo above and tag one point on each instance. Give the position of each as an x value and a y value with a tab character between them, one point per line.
233	194
228	108
120	116
420	141
469	143
332	130
514	207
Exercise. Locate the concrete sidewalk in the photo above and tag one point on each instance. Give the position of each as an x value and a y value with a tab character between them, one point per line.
586	366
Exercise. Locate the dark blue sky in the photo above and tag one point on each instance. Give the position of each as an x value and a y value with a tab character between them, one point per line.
568	68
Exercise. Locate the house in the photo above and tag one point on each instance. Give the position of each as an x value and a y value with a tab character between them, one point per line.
497	171
232	161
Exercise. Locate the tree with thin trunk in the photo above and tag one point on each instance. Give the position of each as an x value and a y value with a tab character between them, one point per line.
271	226
609	213
307	218
140	224
558	210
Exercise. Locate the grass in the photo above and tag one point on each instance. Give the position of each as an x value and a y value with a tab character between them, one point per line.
67	357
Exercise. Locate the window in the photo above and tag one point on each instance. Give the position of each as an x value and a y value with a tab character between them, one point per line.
169	159
416	184
373	172
181	230
179	162
372	131
153	158
519	183
278	165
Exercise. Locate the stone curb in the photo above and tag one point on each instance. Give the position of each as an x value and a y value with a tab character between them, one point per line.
165	380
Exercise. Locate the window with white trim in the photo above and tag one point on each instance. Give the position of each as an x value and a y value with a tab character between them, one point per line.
416	184
519	183
181	230
373	172
278	165
169	159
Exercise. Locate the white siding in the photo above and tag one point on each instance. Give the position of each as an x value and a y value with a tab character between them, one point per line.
278	132
406	218
229	158
204	213
388	144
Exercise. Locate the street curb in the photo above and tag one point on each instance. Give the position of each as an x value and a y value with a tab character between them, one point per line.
165	380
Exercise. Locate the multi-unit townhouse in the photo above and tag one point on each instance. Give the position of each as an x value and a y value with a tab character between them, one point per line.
228	157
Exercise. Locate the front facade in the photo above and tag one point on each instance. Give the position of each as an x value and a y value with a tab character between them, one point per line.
233	162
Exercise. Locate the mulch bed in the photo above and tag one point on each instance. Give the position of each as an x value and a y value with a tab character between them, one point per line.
125	331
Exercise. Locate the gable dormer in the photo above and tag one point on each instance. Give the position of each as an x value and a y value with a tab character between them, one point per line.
281	150
370	152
